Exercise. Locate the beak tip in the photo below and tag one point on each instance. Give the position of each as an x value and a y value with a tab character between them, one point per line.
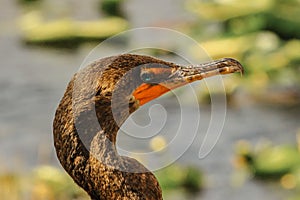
238	66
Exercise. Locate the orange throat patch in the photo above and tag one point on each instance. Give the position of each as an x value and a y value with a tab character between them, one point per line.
147	92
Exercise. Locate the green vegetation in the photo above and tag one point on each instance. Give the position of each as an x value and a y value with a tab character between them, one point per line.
45	182
112	7
176	177
67	32
187	179
271	161
263	34
280	163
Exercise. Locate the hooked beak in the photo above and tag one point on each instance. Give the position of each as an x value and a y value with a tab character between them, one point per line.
189	74
183	75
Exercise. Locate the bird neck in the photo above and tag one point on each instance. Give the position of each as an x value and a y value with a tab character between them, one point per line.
97	127
88	153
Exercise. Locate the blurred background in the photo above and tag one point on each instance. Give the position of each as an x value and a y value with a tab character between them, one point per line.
43	43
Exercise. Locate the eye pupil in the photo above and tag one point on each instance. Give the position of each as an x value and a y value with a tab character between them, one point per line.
146	76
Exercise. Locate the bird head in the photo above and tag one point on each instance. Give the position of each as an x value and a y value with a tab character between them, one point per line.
155	79
142	78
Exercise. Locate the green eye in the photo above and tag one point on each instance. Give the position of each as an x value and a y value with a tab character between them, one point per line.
147	76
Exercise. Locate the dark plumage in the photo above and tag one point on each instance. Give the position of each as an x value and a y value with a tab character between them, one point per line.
98	99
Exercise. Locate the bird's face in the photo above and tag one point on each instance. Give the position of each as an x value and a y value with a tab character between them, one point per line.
155	80
158	78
